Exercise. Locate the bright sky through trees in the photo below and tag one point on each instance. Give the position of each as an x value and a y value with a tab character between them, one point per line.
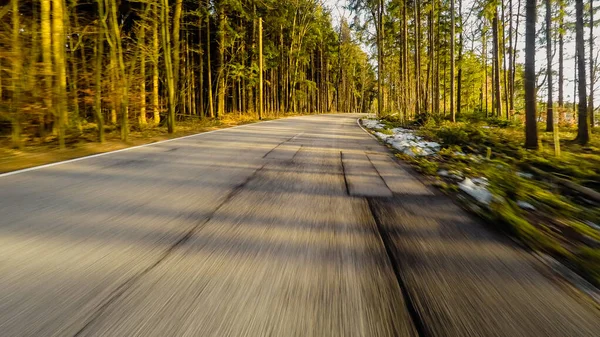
338	10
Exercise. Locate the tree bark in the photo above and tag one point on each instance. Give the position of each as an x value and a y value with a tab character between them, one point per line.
16	76
99	71
561	56
592	75
497	88
142	40
46	35
167	53
583	134
550	102
58	49
177	50
221	73
155	65
452	63
531	138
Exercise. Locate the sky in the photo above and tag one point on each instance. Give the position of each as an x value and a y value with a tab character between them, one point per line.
338	11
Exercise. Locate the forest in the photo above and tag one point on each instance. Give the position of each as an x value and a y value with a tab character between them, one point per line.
71	66
68	67
494	102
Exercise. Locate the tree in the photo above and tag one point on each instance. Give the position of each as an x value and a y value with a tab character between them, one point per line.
16	75
60	68
550	102
46	35
98	53
583	133
531	138
166	44
496	58
452	71
592	73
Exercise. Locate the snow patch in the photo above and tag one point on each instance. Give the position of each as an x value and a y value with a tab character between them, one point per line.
373	124
525	175
404	140
477	189
526	205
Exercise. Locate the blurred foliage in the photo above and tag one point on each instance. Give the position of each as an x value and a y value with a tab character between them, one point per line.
559	222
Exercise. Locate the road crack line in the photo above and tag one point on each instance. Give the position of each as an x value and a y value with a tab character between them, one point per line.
122	289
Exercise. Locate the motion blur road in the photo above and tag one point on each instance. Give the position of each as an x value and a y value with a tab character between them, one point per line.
295	227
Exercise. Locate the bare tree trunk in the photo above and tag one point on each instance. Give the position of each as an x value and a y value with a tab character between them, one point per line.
16	76
176	59
211	109
583	133
460	58
438	59
405	57
155	65
452	63
485	68
221	90
58	48
167	53
417	11
550	103
46	32
142	41
380	57
561	56
201	72
98	71
511	51
123	95
74	87
497	88
503	55
514	60
531	139
592	75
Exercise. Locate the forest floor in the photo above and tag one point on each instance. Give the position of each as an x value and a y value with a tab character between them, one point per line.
39	151
550	203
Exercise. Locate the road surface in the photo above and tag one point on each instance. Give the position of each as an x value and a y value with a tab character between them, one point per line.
295	227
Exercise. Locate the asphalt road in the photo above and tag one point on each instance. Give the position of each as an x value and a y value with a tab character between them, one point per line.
295	227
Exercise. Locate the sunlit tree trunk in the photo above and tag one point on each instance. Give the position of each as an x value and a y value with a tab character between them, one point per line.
74	76
122	80
211	108
452	63
583	132
591	65
496	50
17	71
177	50
417	17
142	41
155	65
99	53
221	90
550	102
46	35
513	62
561	56
58	49
531	139
167	53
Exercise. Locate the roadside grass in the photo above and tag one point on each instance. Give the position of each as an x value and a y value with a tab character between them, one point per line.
530	200
39	151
